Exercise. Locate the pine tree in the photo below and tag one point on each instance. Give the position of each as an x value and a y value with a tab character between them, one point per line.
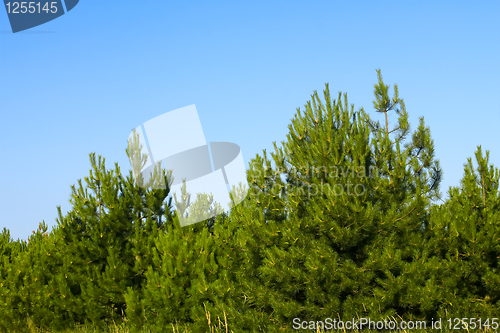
178	285
337	216
465	239
11	303
182	261
31	293
106	239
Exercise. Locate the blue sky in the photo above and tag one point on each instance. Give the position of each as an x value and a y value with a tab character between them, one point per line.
80	83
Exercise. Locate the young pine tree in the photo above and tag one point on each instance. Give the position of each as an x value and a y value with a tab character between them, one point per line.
466	237
106	239
338	215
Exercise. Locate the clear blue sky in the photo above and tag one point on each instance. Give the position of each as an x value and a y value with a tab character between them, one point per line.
80	83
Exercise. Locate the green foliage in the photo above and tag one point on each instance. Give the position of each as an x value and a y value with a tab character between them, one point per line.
466	236
107	240
81	271
335	217
340	221
178	279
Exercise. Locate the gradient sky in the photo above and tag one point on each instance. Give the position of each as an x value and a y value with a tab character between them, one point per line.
81	83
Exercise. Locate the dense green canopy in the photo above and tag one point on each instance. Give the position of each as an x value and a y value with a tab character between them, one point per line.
341	220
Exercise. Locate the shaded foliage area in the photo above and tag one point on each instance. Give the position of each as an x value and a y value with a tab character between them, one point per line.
340	220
